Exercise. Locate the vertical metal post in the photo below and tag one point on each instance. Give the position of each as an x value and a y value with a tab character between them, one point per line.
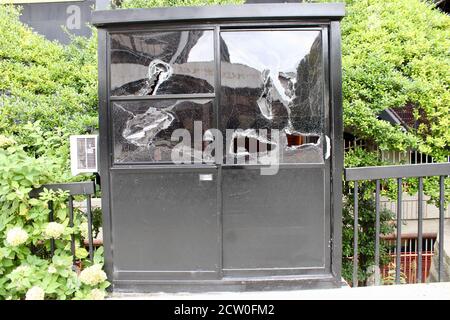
377	224
89	217
50	219
355	237
217	122
419	230
441	228
399	231
410	258
72	236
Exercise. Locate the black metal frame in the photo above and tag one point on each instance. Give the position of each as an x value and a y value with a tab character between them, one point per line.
326	11
323	16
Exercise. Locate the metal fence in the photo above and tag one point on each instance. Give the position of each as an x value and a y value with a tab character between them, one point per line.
419	171
390	156
86	189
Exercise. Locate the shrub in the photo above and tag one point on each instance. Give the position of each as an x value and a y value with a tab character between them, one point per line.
395	52
27	270
44	80
170	3
47	92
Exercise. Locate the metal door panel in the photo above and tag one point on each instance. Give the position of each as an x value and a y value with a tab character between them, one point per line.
273	221
164	222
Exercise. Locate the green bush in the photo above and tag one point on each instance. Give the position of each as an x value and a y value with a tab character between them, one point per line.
171	3
27	269
44	80
395	52
47	92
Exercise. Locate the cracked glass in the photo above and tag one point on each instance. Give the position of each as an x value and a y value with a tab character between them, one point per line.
158	63
142	130
273	80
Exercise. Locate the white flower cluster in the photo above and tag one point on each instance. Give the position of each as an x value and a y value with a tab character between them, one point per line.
92	275
35	293
16	236
97	294
20	271
51	269
84	230
5	141
54	230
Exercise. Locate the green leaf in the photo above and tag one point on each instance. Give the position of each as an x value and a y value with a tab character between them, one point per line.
81	253
11	196
98	256
34	202
52	287
23	209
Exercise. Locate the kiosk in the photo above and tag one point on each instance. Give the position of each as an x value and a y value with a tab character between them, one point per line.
221	146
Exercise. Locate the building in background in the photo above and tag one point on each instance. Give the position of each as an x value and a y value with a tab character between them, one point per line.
56	20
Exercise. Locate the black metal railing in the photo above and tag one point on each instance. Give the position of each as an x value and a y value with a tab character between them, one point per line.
398	172
86	189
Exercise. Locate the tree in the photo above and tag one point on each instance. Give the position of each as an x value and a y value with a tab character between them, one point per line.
395	52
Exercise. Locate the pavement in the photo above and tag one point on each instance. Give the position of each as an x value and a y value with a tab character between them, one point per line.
426	291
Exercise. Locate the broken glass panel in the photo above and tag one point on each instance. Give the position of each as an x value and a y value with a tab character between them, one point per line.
155	63
273	80
143	129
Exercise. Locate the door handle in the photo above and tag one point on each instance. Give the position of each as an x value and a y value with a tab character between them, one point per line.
205	177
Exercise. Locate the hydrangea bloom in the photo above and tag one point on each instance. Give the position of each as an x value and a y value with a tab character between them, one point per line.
51	269
54	230
16	236
92	275
84	230
35	293
20	271
5	141
97	294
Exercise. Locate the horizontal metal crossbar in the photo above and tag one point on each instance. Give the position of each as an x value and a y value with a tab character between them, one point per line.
74	188
400	171
333	11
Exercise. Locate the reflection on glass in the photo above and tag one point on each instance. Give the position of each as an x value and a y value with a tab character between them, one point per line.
154	63
143	129
274	80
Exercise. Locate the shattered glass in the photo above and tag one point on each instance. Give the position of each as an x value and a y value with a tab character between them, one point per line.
142	130
269	80
156	63
273	80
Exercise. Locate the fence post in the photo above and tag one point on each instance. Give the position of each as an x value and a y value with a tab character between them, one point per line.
355	237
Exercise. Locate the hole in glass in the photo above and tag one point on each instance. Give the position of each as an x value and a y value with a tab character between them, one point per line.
274	80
